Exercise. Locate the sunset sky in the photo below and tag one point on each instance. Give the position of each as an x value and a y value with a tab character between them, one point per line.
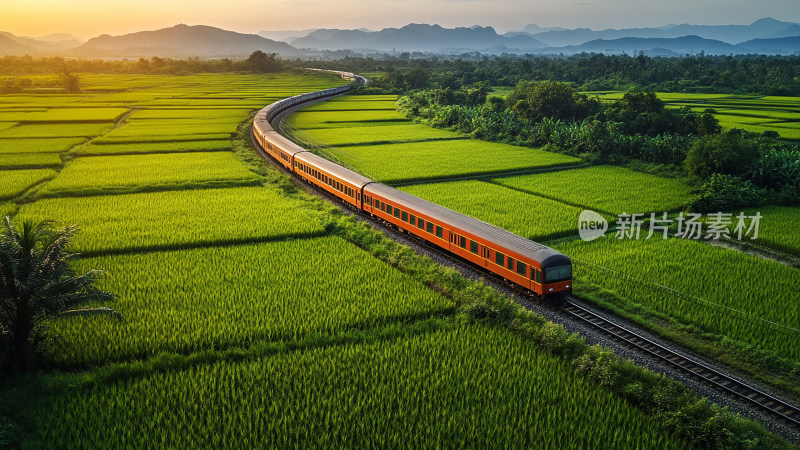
89	18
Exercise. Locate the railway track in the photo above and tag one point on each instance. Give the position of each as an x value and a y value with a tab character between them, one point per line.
775	407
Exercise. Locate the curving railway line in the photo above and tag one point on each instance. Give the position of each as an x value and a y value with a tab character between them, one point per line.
354	191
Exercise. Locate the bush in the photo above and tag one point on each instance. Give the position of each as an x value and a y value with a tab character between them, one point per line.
728	153
726	193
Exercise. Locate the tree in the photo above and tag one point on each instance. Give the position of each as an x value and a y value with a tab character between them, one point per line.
70	82
727	153
37	284
260	62
549	99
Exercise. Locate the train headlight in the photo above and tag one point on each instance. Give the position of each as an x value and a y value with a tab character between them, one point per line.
567	286
551	289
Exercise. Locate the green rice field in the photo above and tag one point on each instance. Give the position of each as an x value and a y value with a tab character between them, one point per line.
29	160
39	145
471	387
376	133
606	189
258	293
770	285
98	173
175	219
15	182
778	228
154	147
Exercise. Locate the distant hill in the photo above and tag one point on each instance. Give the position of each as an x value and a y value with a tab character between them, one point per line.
415	37
184	40
782	46
732	34
47	45
681	45
9	46
286	35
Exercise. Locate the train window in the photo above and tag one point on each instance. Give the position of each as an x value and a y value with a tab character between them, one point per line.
405	217
521	268
538	276
463	242
473	247
510	265
430	228
421	224
439	233
412	219
389	209
499	258
397	212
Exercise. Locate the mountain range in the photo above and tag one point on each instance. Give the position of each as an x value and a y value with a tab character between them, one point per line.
184	40
416	37
767	36
732	34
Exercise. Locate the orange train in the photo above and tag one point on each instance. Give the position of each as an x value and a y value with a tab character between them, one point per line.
536	267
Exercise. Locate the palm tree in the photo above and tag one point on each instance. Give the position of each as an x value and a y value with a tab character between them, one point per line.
37	283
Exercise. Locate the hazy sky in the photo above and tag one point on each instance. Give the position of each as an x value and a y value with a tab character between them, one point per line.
89	18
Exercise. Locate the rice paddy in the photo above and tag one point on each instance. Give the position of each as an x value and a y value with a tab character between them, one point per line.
474	386
16	182
778	228
176	219
96	174
154	147
710	273
50	145
219	297
606	189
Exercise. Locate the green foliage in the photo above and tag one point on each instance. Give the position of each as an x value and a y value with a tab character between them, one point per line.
70	82
38	284
729	153
779	169
549	99
260	62
725	193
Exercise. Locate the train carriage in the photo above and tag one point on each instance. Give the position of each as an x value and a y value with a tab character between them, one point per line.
519	260
331	177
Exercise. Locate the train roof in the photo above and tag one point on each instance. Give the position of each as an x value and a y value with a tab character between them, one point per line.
333	169
507	240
